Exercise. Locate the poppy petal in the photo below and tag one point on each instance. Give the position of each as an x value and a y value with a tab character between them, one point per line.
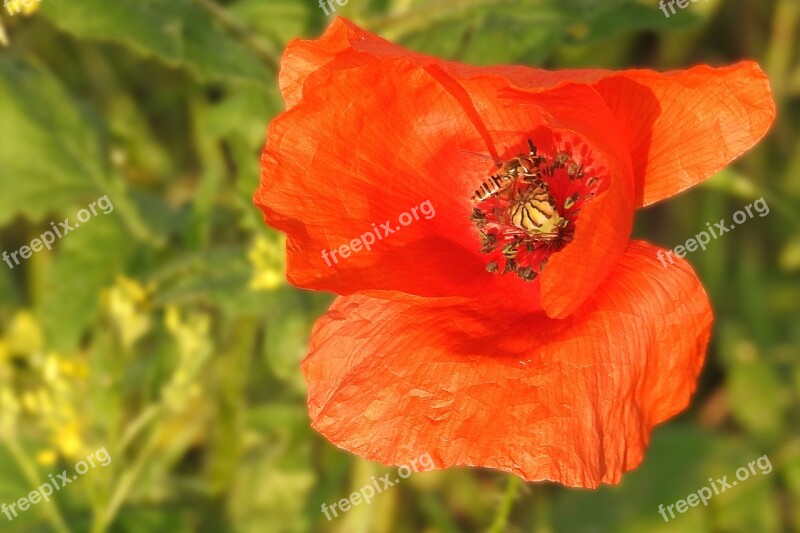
390	149
373	165
681	126
684	126
604	227
572	400
368	162
302	58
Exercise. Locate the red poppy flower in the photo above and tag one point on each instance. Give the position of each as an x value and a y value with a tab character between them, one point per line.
508	321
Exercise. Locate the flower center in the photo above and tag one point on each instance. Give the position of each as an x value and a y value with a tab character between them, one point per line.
527	210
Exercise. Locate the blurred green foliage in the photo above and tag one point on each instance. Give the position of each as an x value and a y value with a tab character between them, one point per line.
164	330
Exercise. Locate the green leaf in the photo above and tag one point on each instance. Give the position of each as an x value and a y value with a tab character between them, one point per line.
88	261
278	20
145	519
757	393
10	290
679	462
217	276
286	343
246	110
626	19
525	32
177	32
273	479
51	157
486	36
528	37
791	475
14	486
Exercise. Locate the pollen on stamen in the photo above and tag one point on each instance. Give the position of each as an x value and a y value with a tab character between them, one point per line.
527	209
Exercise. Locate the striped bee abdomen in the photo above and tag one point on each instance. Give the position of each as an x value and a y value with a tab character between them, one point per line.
493	185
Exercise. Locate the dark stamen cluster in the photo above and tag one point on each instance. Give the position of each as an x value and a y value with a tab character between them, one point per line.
526	211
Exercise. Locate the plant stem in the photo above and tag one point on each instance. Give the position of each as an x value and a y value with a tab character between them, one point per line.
31	473
125	485
501	518
258	45
3	36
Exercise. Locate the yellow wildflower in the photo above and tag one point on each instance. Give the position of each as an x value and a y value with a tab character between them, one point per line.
24	335
191	333
268	261
127	303
9	412
46	457
68	439
194	346
56	367
30	401
76	368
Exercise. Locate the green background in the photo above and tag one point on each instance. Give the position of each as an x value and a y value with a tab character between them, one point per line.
165	333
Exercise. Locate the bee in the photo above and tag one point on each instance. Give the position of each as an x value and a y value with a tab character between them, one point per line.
525	166
493	185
